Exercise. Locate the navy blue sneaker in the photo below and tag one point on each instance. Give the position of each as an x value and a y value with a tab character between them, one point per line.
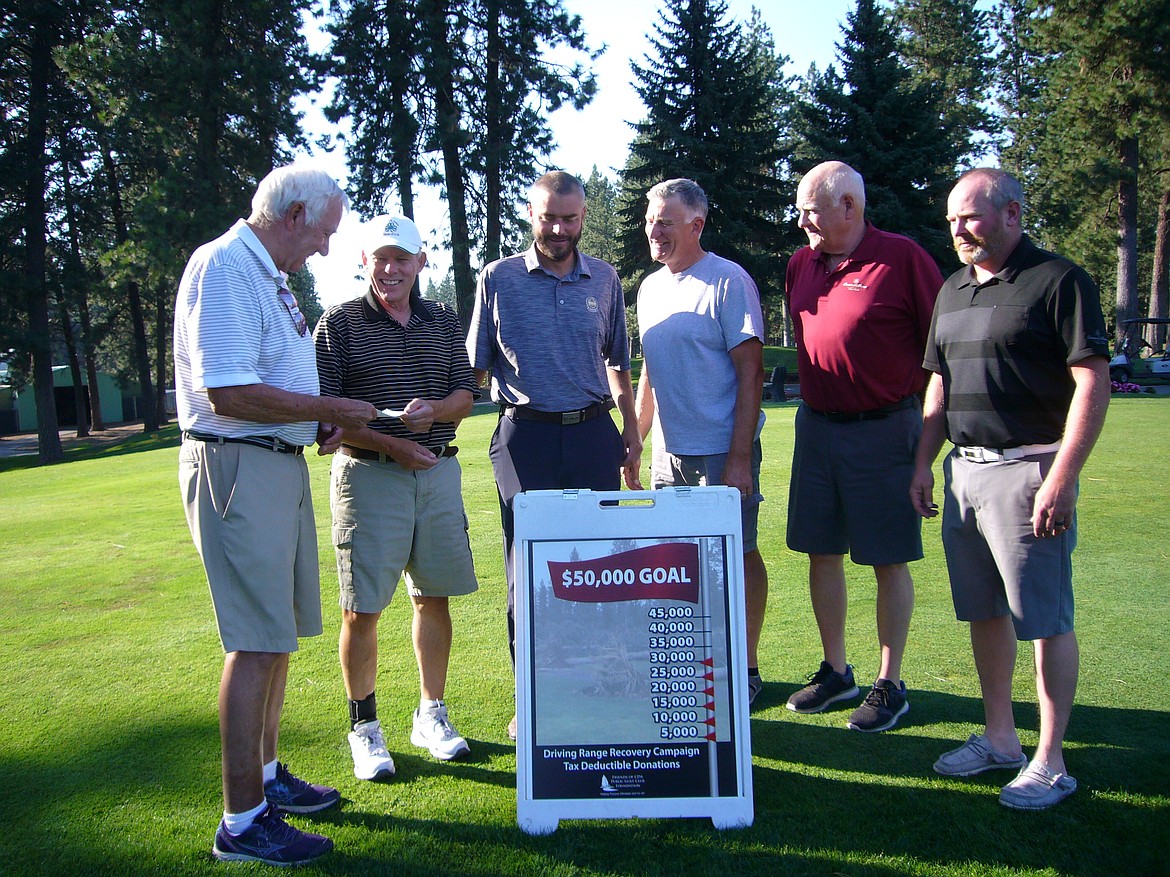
271	840
825	687
882	707
291	794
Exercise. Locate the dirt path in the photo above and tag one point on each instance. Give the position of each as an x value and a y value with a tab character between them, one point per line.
26	443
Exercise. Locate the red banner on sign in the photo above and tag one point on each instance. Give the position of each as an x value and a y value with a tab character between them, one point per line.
657	572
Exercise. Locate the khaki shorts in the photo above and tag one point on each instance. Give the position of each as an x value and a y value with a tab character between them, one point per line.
388	520
251	517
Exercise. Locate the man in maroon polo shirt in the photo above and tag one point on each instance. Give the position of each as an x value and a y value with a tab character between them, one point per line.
861	301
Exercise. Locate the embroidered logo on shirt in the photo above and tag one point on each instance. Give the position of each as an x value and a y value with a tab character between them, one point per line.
591	304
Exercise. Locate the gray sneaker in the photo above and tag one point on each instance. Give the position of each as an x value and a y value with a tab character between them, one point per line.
824	687
1037	788
975	756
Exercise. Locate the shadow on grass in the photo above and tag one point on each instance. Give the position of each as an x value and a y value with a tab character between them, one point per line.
1124	750
167	437
144	800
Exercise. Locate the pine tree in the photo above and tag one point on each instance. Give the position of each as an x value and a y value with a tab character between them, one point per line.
1101	94
948	42
712	88
1107	93
372	58
454	92
170	124
599	236
891	129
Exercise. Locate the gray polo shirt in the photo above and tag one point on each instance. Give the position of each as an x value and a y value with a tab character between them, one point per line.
546	340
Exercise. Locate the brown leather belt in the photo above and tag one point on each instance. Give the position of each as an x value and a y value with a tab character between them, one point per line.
363	454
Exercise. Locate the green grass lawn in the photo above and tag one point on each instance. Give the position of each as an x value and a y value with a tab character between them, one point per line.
110	748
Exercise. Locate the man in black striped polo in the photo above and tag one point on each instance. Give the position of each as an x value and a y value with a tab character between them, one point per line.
1020	384
396	492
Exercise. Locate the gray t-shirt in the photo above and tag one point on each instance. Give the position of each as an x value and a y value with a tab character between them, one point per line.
547	340
689	322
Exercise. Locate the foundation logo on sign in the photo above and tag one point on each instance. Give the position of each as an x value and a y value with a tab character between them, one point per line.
623	784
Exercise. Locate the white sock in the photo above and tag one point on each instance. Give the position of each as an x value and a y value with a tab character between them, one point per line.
270	771
429	706
238	823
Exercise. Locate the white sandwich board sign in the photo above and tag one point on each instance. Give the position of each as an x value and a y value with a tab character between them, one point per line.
631	667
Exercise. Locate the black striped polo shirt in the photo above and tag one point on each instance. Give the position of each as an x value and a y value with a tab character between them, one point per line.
1003	347
364	353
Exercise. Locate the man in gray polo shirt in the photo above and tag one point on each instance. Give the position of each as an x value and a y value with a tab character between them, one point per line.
549	329
1020	385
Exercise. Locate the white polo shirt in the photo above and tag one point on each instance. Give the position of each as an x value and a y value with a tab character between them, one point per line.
231	329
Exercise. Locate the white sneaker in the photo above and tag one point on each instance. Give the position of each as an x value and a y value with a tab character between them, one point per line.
371	759
433	731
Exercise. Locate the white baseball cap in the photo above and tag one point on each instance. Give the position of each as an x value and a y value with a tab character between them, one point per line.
392	231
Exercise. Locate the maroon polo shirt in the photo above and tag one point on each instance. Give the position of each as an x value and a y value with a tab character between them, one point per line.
861	329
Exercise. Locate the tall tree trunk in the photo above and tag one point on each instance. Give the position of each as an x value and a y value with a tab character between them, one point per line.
1160	276
494	141
402	137
438	70
74	366
1127	218
133	296
74	282
210	125
89	346
36	232
161	335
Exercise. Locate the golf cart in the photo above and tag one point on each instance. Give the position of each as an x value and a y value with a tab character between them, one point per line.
1129	365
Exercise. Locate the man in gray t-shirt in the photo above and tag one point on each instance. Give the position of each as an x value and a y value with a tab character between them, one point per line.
702	377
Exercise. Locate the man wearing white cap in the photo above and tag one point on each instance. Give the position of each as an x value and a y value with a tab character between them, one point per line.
396	491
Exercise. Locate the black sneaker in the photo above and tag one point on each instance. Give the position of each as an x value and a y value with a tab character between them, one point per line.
824	687
269	839
755	686
291	794
882	707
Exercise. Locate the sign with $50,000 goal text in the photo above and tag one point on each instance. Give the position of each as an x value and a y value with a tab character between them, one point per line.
631	665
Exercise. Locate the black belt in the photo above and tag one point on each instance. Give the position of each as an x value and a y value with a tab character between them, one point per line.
873	414
268	442
561	418
363	454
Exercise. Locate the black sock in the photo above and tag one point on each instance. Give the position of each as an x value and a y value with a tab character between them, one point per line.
753	671
363	710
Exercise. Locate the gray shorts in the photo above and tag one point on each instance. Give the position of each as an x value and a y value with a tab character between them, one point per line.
251	516
670	470
850	488
388	520
996	564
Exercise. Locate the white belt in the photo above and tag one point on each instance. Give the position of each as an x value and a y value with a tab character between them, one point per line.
978	454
